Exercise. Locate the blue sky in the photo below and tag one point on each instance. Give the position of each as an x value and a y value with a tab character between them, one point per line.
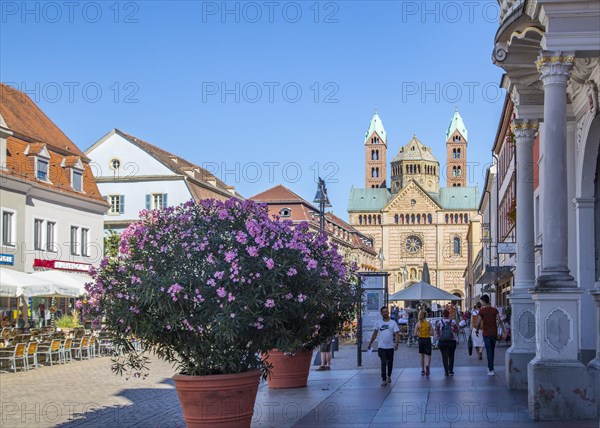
261	93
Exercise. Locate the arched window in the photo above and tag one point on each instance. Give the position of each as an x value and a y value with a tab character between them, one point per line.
372	172
429	218
453	171
458	153
379	219
396	218
412	218
401	218
418	218
456	218
446	218
458	171
461	218
360	219
454	153
466	218
457	245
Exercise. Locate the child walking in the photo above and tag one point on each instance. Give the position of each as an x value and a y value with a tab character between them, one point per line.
423	332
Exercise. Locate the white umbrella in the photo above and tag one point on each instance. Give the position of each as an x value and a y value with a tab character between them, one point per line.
72	283
423	291
14	283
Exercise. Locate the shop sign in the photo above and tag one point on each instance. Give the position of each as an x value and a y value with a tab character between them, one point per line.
62	265
7	259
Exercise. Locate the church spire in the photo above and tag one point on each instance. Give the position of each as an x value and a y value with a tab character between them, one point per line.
375	154
376	125
457	124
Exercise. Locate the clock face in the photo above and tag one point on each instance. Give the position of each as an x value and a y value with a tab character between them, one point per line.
413	244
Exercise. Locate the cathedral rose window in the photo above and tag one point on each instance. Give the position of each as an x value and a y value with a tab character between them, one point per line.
413	244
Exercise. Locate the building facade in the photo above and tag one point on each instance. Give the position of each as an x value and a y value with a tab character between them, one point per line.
550	52
50	204
415	220
355	246
134	175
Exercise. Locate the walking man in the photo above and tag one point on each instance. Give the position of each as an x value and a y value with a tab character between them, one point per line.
490	318
388	332
325	355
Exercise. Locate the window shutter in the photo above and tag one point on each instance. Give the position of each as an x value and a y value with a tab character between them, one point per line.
164	200
122	204
147	202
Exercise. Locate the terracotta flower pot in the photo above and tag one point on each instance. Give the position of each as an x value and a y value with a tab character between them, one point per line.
218	400
289	371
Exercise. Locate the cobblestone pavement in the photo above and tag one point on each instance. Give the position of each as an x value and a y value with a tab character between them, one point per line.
88	394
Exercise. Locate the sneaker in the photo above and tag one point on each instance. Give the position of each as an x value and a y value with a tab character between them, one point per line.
320	369
327	367
384	382
451	373
389	380
422	372
491	373
427	371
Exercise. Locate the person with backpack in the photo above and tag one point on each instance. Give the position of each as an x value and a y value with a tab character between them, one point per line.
446	331
423	332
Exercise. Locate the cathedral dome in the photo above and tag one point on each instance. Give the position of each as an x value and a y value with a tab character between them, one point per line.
415	150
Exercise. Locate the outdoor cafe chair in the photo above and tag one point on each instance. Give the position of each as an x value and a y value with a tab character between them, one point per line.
66	350
105	346
13	356
92	347
53	349
81	345
31	353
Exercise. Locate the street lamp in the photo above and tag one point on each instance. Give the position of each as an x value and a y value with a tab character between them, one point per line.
322	199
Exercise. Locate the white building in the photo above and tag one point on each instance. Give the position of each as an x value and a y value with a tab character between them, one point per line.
51	207
134	175
550	51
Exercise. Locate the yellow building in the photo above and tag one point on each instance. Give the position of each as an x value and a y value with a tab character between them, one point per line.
415	220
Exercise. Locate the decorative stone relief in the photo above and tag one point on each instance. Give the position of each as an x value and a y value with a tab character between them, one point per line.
558	329
526	323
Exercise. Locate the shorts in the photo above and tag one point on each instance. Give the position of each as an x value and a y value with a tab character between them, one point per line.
425	345
326	347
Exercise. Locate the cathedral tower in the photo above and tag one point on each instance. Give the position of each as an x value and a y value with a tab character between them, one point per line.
456	152
375	154
415	162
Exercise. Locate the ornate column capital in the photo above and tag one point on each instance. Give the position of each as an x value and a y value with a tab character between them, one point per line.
525	129
555	67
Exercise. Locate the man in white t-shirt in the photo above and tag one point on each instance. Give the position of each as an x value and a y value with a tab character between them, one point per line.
388	332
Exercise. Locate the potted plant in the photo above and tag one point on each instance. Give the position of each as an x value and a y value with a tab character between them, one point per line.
202	286
67	323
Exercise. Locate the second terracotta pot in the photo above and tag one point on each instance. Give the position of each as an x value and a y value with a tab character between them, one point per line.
289	371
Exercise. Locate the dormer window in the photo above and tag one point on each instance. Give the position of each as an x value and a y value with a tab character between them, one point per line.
41	169
285	212
77	179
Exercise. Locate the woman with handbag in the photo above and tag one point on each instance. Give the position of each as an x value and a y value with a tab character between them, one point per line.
477	336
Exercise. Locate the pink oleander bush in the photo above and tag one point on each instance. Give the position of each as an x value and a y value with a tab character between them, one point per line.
211	286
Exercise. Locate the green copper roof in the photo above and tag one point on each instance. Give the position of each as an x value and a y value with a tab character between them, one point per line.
457	123
368	199
376	126
457	198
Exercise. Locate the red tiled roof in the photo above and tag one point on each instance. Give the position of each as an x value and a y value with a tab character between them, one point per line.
30	127
279	193
181	166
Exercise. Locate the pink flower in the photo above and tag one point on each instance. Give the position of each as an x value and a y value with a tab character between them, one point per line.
270	303
301	297
230	255
312	264
230	298
292	271
221	292
252	250
270	263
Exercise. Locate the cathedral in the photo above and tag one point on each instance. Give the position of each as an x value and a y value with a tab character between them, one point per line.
412	219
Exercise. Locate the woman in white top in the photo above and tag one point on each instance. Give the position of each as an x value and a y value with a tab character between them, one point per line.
477	336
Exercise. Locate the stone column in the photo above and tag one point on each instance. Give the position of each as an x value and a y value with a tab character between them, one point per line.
594	365
557	381
522	320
